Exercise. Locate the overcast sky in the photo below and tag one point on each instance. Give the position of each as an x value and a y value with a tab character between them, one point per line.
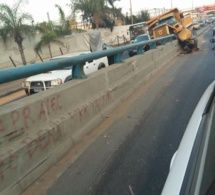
39	8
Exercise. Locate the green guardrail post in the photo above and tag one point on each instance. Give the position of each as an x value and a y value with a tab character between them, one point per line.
117	58
169	39
76	72
163	42
140	50
153	45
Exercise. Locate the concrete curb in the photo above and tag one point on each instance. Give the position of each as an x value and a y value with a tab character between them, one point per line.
10	92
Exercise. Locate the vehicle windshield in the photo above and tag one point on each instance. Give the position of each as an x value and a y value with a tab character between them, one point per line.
137	29
170	20
141	38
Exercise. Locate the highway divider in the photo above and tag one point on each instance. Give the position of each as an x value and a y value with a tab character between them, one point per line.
37	131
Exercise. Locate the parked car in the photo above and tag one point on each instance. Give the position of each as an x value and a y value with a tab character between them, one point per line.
192	168
140	38
201	22
196	25
210	20
44	81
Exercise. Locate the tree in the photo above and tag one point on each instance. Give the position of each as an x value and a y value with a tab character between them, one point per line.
50	31
97	9
64	27
127	19
211	12
90	8
142	16
48	36
12	23
117	12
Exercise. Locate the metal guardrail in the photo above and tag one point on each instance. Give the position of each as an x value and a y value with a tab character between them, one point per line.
77	62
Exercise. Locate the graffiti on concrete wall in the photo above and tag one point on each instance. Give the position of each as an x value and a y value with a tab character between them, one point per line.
47	106
95	106
44	138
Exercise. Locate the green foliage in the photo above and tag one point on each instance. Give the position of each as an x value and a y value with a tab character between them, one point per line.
49	35
107	24
127	20
116	12
102	13
46	39
211	13
64	27
142	16
4	34
16	24
50	31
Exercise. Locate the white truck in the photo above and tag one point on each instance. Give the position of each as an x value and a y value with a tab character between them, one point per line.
44	81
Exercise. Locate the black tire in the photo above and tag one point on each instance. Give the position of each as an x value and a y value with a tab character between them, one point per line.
29	92
131	53
101	65
147	48
69	78
111	60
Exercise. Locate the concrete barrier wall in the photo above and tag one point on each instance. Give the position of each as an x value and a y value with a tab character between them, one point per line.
35	132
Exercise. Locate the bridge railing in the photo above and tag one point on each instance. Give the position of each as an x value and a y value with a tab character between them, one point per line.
77	62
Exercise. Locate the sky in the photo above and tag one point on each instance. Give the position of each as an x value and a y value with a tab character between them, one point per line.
39	8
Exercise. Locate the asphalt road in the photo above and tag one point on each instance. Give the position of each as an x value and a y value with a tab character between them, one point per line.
133	155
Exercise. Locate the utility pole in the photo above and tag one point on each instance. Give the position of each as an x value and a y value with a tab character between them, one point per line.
131	15
171	5
48	17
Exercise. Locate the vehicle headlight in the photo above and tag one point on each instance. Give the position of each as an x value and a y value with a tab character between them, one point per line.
26	84
56	82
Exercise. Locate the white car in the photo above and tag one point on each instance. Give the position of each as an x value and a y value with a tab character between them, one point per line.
44	81
192	168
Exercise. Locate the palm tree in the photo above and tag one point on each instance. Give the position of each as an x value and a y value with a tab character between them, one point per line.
48	36
64	27
103	12
13	24
117	12
94	8
142	16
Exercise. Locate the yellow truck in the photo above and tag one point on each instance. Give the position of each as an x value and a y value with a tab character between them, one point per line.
174	22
